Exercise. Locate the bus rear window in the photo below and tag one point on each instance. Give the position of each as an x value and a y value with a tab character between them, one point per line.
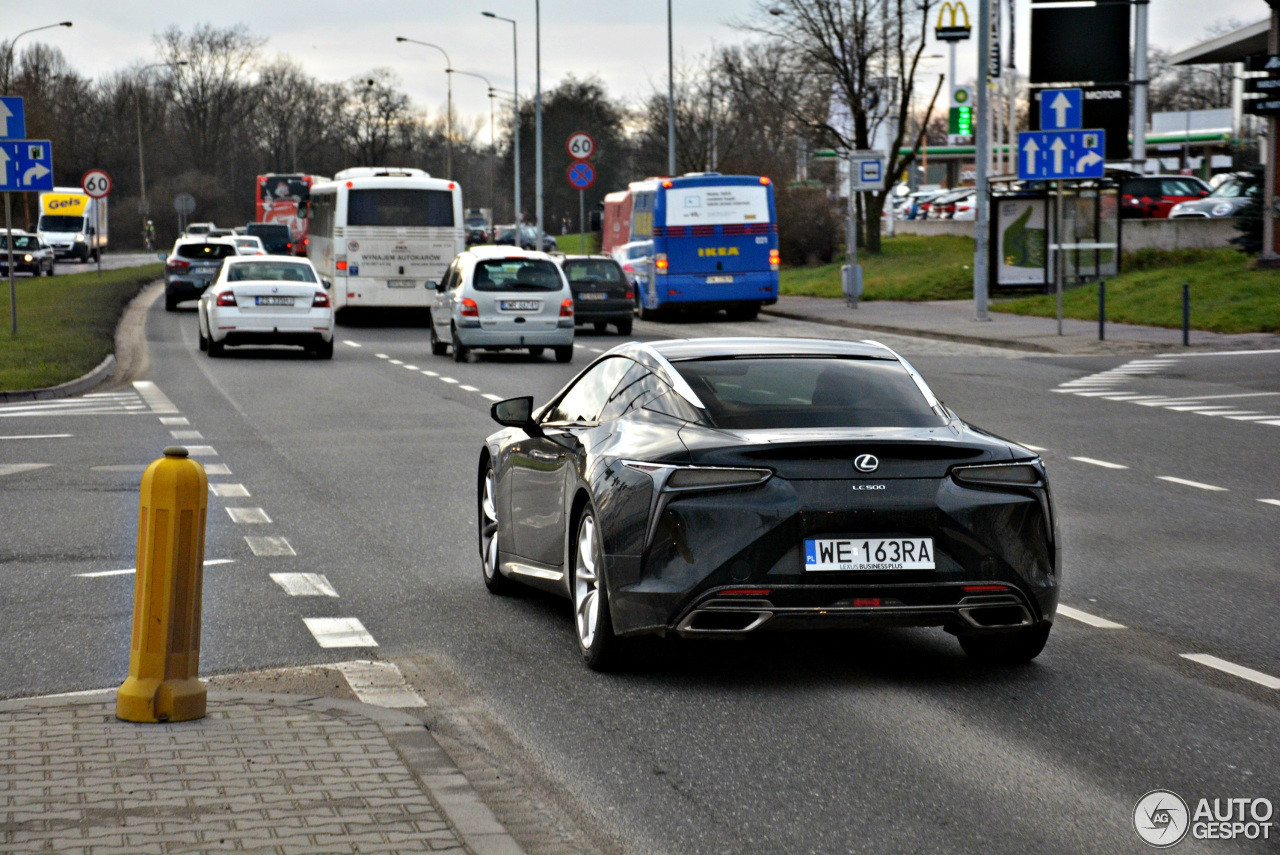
717	205
389	207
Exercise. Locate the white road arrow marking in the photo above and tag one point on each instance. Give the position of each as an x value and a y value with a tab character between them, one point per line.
1030	150
1088	160
1061	105
5	115
1058	148
38	170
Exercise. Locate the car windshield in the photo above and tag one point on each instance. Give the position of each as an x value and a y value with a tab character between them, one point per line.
516	274
593	270
808	392
1232	188
61	223
20	242
276	271
205	250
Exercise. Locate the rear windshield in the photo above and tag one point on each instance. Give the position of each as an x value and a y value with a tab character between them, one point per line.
278	271
593	270
516	274
386	207
808	392
205	250
268	230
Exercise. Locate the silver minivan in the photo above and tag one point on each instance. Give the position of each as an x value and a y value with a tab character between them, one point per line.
502	298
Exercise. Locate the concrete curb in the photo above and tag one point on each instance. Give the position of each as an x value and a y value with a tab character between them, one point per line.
80	385
911	332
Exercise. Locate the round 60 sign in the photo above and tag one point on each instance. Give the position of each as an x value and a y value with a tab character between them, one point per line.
581	145
97	183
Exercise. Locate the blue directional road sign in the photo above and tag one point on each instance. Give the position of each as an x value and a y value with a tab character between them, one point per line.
581	175
1061	109
13	119
1061	155
26	165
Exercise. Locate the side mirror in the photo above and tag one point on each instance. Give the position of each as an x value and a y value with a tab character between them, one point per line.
518	413
92	231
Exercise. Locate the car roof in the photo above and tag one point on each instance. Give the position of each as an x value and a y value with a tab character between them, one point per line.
595	256
678	349
287	259
485	251
202	239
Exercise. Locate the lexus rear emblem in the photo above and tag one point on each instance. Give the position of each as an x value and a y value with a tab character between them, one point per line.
866	463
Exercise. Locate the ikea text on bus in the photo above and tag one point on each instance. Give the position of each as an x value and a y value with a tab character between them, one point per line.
384	236
715	241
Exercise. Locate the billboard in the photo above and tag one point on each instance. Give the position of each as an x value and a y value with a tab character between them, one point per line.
1080	44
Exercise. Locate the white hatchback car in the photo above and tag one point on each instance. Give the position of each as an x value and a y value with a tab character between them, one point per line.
502	298
266	300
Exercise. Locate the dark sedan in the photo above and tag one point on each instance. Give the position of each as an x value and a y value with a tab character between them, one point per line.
720	487
602	294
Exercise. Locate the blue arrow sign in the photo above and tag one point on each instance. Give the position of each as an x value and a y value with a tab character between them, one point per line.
1061	155
26	165
13	119
1061	109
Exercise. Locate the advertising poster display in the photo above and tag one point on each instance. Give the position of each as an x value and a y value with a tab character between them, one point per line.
1022	242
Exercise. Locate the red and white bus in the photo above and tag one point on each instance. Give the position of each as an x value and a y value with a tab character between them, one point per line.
284	199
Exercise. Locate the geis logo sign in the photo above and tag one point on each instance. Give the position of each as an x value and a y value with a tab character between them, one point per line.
64	203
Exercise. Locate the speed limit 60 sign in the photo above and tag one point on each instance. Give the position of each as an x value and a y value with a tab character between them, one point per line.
97	183
581	145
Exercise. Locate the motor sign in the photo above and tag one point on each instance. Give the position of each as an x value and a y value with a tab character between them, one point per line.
97	183
581	145
581	175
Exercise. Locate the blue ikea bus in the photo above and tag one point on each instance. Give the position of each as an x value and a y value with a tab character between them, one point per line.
715	243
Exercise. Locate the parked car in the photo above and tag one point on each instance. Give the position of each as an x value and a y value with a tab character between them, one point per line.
1226	200
266	300
943	206
191	266
30	254
920	201
502	298
718	488
528	238
249	245
602	294
1153	196
275	237
198	229
966	207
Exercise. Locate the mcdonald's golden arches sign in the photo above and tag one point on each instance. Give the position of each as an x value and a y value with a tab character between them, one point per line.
953	22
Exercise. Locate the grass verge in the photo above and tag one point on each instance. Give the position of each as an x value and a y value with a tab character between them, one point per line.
911	267
66	324
578	244
1226	295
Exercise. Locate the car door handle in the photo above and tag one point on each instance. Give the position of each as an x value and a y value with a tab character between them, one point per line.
542	455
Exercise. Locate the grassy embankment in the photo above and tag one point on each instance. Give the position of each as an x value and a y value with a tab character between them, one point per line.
66	324
1226	294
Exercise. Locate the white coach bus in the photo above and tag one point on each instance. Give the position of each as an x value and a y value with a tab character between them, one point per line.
384	236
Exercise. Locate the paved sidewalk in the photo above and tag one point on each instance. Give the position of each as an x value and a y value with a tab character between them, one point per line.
266	773
952	320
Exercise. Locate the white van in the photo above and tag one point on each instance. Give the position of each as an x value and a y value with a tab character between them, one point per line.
73	223
502	298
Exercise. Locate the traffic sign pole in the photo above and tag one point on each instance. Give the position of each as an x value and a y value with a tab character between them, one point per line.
8	242
982	154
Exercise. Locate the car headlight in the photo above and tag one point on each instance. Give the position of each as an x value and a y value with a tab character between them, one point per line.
1222	209
999	475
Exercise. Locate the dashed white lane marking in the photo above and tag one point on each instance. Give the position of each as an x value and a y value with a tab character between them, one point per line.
596	349
380	684
350	343
469	388
155	399
1247	418
1238	395
217	469
1233	669
395	362
430	373
186	434
1085	617
489	396
1234	413
1103	463
1197	408
304	584
447	380
1275	502
131	570
171	421
248	516
339	632
201	451
224	491
1270	422
17	468
40	436
268	546
410	367
382	356
1199	485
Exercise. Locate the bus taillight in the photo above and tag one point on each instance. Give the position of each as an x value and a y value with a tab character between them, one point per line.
341	264
661	262
775	259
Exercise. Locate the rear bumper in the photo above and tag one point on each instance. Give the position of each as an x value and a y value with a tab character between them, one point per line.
586	311
558	337
677	288
313	326
186	289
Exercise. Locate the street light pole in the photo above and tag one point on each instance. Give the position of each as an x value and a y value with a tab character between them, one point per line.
492	147
448	119
537	136
142	171
11	55
671	97
515	127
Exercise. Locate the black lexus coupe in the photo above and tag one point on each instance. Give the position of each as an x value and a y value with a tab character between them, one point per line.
720	487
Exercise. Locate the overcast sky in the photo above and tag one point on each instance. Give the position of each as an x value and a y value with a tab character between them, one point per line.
621	41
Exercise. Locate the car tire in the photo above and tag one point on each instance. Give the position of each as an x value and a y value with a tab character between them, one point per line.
324	350
170	303
35	271
460	350
624	327
201	340
537	351
490	554
592	622
1006	648
600	326
216	349
564	354
438	347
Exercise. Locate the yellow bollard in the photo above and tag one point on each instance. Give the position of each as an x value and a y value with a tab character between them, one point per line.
164	656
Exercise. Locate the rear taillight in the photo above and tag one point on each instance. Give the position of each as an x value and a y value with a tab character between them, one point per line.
566	309
631	295
661	262
320	300
629	267
469	308
288	246
175	264
775	259
227	298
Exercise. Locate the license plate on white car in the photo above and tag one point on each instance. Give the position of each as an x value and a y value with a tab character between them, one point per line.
719	280
877	553
273	301
519	305
593	295
400	283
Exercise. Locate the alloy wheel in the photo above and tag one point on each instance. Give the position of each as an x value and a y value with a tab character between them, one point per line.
586	584
489	528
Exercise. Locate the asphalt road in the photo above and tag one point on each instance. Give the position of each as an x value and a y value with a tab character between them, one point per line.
886	741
